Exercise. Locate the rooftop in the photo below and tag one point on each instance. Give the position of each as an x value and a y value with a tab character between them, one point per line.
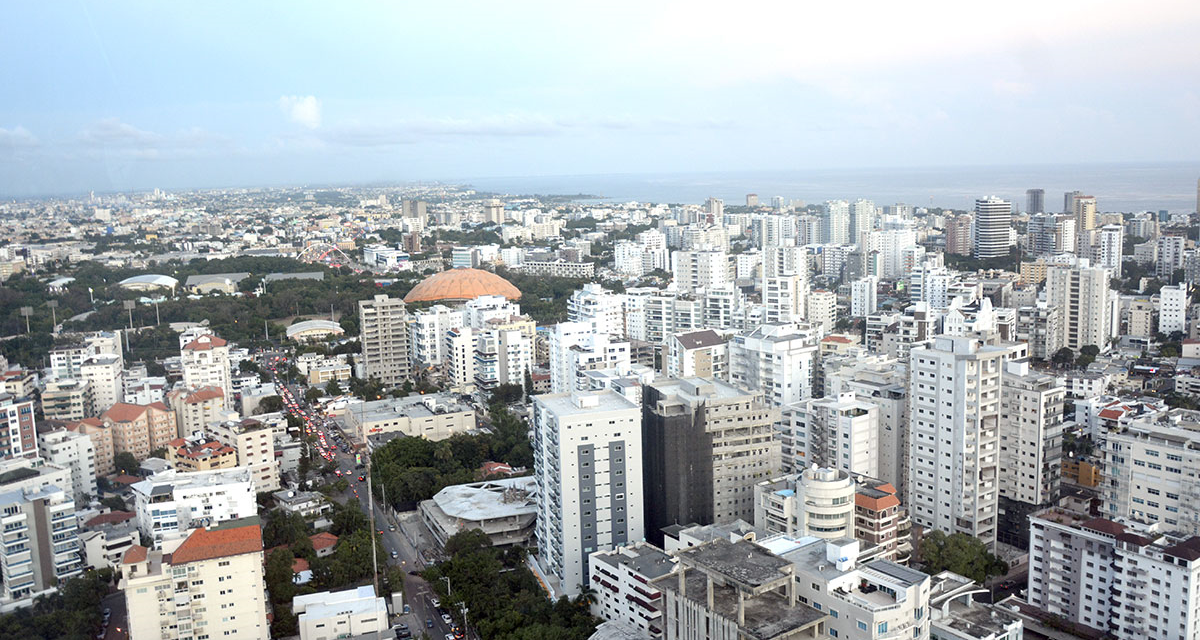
489	500
565	404
699	339
462	284
742	562
218	542
643	559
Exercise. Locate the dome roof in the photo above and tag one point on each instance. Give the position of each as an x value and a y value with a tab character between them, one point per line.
462	284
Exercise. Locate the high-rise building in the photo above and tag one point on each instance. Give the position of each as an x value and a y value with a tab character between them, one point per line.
959	234
993	223
1151	464
1035	201
820	309
1172	255
1172	308
1123	580
751	199
1069	201
864	297
140	429
1085	213
18	438
707	443
862	219
107	380
427	331
41	541
576	348
254	443
694	270
835	222
75	452
778	358
1087	304
493	211
211	585
1031	432
954	414
1107	247
386	349
588	463
206	364
171	503
714	207
839	432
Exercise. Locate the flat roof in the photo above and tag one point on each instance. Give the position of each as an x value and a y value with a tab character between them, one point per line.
564	404
489	500
643	559
742	561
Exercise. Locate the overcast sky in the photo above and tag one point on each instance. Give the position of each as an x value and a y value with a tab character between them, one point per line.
123	95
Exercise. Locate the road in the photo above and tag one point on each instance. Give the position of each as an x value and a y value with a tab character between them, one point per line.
118	625
417	592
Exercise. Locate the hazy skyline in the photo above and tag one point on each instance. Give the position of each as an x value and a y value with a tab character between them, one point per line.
138	95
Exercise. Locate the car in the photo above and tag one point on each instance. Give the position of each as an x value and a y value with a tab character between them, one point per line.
391	527
395	555
402	634
435	602
429	622
107	612
450	636
362	478
447	619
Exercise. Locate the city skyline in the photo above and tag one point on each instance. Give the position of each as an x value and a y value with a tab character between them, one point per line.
146	96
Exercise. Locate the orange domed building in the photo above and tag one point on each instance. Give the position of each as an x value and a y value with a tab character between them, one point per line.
461	284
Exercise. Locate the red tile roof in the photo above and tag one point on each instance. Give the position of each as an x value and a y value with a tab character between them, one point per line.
299	565
206	544
159	405
323	540
124	412
204	393
136	553
125	478
839	339
204	343
109	518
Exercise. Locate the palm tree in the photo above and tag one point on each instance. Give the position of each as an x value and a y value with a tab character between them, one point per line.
586	597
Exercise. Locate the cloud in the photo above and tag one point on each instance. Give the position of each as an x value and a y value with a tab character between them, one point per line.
18	136
302	110
1012	88
111	132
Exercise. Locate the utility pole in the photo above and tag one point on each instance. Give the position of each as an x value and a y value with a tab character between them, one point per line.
129	305
53	304
26	311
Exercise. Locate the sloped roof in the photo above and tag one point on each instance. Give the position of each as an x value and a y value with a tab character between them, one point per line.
699	339
206	544
124	412
204	343
462	284
204	393
136	553
323	540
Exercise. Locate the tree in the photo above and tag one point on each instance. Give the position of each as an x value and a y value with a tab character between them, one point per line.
126	463
1087	355
270	404
160	452
333	388
279	576
1063	357
349	518
960	553
116	503
312	395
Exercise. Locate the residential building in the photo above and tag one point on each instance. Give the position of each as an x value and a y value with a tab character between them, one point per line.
1173	302
993	220
255	446
1087	304
105	538
205	363
75	452
954	414
779	359
18	438
576	348
588	464
1129	582
140	429
106	379
101	436
68	399
957	615
883	382
503	509
1039	326
386	347
196	408
863	297
200	453
427	331
959	238
624	591
1172	255
784	298
820	309
697	354
1151	462
41	542
433	416
706	445
211	585
1035	201
1030	434
351	613
698	270
171	503
840	432
310	505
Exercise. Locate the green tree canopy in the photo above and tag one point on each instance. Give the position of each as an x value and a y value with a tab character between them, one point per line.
960	553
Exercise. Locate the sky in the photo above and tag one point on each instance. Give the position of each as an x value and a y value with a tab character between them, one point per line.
135	95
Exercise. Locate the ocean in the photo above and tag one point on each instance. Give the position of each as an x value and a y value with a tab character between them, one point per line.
1118	187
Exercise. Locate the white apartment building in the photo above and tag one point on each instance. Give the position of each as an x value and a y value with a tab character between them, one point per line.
428	330
107	380
784	298
1172	308
835	223
604	309
459	358
954	414
883	382
622	579
74	452
1172	254
212	585
171	503
816	502
1031	430
41	542
864	298
820	308
502	356
103	544
1151	468
351	613
205	363
696	270
777	359
386	350
839	432
255	446
993	220
1132	582
588	462
1107	246
575	348
1089	307
65	360
32	475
